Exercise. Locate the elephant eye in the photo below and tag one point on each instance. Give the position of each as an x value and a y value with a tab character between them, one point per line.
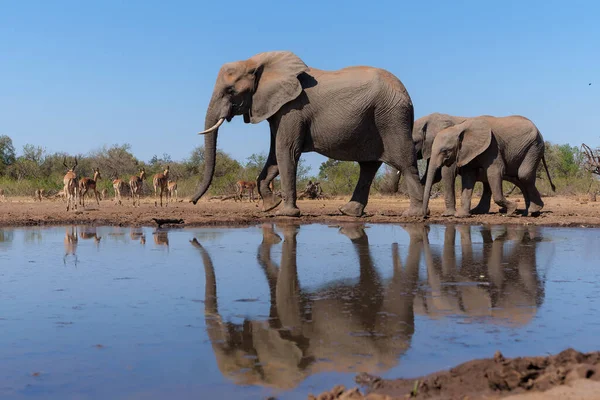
230	90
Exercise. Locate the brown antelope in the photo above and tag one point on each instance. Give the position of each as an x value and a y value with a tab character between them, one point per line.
161	238
70	243
242	186
160	181
70	182
39	193
104	194
171	188
90	233
118	186
86	184
136	184
2	197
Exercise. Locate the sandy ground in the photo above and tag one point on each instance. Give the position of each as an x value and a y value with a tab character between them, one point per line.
567	375
558	211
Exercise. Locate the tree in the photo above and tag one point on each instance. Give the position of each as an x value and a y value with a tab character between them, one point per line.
339	177
7	153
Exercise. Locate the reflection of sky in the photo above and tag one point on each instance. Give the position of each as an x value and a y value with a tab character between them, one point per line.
144	304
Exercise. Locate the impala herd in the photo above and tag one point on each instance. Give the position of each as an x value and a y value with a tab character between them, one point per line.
75	189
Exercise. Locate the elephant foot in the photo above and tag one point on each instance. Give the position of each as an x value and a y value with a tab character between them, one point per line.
462	214
414	212
270	202
288	211
352	209
449	212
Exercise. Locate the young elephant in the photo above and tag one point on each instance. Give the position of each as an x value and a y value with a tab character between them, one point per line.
495	151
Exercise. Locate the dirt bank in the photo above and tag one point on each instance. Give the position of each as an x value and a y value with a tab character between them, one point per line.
559	211
568	375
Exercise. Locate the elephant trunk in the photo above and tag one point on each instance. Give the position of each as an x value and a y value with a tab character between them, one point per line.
431	171
213	117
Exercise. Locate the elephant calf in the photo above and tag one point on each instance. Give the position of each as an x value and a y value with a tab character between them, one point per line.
491	149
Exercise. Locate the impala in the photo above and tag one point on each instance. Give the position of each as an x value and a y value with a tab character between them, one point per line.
86	184
118	186
39	193
160	181
171	188
242	186
2	194
70	243
70	182
104	194
135	185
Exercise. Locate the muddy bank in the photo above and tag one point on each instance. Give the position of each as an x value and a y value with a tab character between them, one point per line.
567	375
559	211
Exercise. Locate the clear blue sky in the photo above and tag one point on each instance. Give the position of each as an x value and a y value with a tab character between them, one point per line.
75	75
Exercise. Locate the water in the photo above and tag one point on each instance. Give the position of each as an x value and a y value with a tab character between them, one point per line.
120	313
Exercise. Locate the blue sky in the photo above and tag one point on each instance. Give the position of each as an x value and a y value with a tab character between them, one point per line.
77	75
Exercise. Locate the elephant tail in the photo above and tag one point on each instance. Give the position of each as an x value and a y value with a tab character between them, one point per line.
548	173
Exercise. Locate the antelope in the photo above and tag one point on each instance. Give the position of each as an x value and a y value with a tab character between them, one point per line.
135	185
118	186
90	233
161	238
172	188
241	186
104	194
86	184
160	181
70	243
39	193
2	194
70	182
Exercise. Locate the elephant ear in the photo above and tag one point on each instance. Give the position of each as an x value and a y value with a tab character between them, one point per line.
473	140
277	84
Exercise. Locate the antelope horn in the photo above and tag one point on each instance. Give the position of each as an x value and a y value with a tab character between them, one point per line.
215	127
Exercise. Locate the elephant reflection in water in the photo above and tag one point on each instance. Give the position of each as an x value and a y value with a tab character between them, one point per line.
343	327
501	284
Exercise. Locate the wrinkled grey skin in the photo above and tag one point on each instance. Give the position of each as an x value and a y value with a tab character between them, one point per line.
361	114
311	332
507	262
425	130
491	149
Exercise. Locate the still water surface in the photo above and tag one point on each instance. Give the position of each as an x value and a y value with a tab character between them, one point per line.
284	310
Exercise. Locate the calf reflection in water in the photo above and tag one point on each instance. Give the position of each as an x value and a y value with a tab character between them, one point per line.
498	285
345	328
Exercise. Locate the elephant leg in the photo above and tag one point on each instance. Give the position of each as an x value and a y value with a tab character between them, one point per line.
288	153
287	291
266	176
468	182
360	197
448	178
527	177
483	207
400	154
494	174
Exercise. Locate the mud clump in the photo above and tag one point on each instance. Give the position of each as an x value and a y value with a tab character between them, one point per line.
489	378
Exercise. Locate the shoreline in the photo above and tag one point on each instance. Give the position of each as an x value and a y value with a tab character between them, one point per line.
560	211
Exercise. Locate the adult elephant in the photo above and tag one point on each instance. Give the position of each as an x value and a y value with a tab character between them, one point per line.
361	114
342	326
491	149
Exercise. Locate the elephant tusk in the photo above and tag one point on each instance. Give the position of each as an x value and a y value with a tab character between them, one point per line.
215	127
